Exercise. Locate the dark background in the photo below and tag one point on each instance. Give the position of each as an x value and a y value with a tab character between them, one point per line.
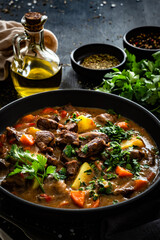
75	23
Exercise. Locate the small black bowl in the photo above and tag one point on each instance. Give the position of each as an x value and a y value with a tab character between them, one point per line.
78	55
140	53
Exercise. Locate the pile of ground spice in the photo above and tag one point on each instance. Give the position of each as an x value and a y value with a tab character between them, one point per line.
100	61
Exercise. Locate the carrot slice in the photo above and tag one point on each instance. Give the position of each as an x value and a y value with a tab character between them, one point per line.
49	110
95	204
24	125
27	139
123	125
122	172
140	183
78	197
63	113
28	118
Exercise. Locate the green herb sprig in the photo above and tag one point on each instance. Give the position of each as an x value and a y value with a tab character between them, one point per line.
115	133
116	156
140	82
34	165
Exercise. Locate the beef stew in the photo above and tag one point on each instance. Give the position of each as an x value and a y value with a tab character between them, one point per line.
74	157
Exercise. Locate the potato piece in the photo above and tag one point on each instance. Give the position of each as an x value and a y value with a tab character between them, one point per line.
85	124
83	176
32	131
134	141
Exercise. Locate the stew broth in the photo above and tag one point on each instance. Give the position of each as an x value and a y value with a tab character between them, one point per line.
72	157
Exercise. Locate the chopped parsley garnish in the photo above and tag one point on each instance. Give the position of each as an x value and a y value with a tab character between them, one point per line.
89	171
116	156
62	173
115	201
104	187
115	133
85	149
94	195
69	151
111	176
73	118
82	138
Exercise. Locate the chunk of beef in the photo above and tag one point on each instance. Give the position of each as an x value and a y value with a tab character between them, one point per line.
105	117
67	137
71	126
88	136
91	148
13	133
151	158
52	186
43	139
72	167
137	154
55	118
126	190
46	124
52	160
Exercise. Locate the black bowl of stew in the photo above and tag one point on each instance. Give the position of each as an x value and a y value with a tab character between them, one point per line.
93	61
80	98
142	41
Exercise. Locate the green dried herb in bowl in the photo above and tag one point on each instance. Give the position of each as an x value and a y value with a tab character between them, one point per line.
100	61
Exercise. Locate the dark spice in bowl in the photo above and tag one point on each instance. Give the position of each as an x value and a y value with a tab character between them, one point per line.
100	61
142	41
146	40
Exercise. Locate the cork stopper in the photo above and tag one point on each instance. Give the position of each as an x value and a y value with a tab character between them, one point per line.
33	21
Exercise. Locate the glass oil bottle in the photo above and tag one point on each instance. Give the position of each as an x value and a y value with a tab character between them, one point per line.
35	68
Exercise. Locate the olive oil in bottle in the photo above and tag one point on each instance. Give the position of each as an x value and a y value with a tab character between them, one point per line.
36	76
34	68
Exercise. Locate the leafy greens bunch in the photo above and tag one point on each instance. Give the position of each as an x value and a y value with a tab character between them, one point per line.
140	82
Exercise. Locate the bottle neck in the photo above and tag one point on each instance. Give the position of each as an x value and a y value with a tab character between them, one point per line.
36	38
